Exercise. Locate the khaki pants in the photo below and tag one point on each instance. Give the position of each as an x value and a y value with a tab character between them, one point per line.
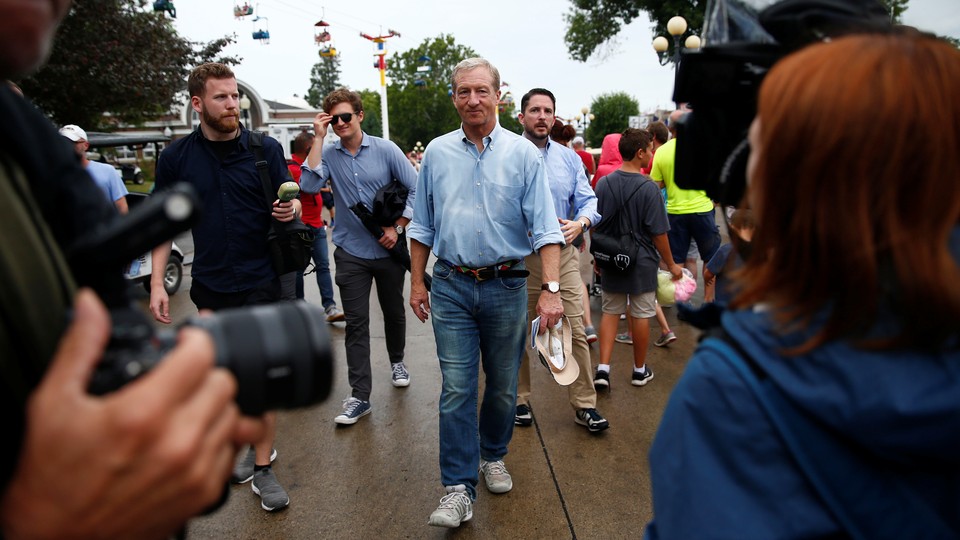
582	393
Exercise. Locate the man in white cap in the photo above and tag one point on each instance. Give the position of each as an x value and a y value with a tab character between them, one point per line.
106	177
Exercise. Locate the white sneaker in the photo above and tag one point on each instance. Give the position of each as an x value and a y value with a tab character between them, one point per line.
334	314
455	508
496	476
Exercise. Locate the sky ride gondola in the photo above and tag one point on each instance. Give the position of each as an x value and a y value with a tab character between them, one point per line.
165	6
261	32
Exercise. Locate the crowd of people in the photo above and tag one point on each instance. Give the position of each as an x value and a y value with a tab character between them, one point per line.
830	379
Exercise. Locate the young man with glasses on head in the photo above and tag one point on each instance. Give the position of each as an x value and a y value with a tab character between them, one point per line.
358	166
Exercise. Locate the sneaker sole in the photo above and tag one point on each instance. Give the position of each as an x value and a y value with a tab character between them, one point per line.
336	318
642	382
273	457
601	383
659	343
592	339
344	421
591	429
401	383
268	508
449	524
522	421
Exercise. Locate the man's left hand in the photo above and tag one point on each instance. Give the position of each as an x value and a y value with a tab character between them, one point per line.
571	229
389	238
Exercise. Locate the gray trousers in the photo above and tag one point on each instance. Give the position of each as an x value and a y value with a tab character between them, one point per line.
354	277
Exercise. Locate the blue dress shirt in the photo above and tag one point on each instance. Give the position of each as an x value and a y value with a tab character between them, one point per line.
476	208
357	178
230	240
573	198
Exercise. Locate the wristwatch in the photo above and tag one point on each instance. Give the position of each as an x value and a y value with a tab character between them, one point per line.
399	228
551	286
583	225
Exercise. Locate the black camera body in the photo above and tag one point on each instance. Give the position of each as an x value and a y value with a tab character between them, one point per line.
720	82
280	353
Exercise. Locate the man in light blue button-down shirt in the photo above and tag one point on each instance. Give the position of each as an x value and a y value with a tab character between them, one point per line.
576	206
481	189
359	165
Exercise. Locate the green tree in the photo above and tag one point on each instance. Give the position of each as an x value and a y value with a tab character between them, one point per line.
419	101
612	114
442	53
896	8
372	123
592	23
112	56
324	78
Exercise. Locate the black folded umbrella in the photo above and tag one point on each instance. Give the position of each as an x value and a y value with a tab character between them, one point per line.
399	252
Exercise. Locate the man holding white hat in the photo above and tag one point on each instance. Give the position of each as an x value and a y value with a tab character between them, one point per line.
572	197
106	177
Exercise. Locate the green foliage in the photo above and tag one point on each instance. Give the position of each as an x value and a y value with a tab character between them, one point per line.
419	113
896	8
422	112
612	114
372	122
324	78
444	54
592	23
508	120
112	56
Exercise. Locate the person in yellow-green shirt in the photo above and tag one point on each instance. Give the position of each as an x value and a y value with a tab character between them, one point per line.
690	211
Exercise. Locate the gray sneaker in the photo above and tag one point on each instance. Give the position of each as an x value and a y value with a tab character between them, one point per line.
243	469
455	508
665	339
496	476
272	495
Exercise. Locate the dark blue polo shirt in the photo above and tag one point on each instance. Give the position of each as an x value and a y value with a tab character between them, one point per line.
230	241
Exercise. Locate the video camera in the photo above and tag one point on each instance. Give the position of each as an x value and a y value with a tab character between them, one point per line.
743	39
280	354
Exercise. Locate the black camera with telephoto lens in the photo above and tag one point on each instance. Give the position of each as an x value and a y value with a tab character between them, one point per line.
280	353
742	40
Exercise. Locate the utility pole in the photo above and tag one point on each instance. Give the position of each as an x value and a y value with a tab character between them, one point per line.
381	64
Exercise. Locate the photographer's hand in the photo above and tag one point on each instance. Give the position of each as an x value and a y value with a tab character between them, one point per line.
136	463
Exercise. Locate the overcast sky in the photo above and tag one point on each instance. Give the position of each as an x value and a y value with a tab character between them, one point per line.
523	38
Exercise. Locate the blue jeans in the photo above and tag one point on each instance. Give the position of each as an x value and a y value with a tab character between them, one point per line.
321	260
473	322
701	226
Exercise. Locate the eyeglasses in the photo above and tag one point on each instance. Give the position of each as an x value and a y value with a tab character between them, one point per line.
345	118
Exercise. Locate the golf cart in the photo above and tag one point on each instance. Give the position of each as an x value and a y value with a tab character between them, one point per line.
140	269
125	151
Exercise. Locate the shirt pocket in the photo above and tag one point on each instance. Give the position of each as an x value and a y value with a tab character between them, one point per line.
504	201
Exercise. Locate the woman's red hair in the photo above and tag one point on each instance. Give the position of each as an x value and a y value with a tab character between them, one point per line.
855	191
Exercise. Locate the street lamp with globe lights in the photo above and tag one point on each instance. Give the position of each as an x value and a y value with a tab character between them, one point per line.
676	27
245	109
583	119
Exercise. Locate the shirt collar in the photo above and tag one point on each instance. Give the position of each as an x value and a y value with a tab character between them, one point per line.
489	139
364	141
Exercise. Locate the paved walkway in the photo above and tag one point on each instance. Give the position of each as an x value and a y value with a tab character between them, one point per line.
380	477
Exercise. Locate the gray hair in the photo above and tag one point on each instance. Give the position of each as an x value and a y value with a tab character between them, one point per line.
471	64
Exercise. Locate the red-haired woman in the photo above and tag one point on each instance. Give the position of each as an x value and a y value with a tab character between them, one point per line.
830	406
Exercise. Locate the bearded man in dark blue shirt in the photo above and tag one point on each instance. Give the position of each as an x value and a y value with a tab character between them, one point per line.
231	266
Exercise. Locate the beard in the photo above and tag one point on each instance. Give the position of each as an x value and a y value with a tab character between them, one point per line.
226	123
